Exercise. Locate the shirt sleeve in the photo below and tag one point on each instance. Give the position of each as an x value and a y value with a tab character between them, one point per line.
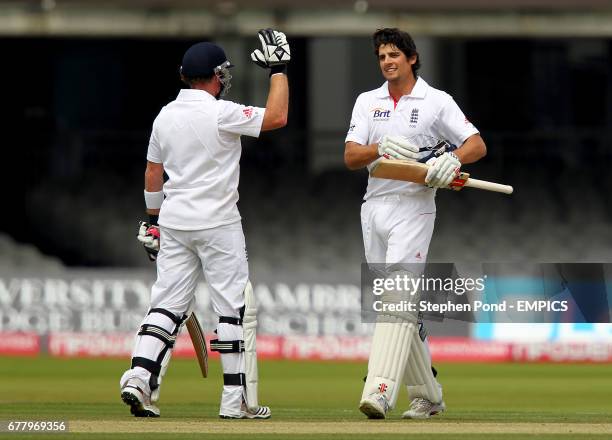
240	119
154	150
452	123
359	128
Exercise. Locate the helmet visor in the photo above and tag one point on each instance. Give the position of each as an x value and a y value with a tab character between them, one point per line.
222	72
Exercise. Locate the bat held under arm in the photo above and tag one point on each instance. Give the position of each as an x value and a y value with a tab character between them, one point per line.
410	171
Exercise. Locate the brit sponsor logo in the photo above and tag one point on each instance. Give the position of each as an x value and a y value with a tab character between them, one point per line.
380	114
248	112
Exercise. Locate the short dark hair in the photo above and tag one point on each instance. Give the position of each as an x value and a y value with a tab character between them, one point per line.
400	39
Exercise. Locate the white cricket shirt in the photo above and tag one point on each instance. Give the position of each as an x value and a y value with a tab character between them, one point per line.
197	139
426	111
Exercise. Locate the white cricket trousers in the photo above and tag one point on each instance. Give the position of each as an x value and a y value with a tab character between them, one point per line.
397	228
220	254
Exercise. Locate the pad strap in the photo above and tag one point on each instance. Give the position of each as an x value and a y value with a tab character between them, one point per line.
234	379
153	367
230	320
159	333
422	332
236	346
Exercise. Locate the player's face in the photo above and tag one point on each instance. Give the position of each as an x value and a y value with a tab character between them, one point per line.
394	64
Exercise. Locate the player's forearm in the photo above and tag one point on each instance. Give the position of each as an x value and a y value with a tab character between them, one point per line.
154	182
277	105
357	156
472	150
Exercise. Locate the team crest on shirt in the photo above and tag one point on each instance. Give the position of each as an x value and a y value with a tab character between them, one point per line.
380	114
248	112
414	117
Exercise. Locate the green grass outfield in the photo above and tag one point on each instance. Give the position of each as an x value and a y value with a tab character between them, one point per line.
311	400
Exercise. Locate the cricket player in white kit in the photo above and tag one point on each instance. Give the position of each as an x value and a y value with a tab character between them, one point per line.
398	217
196	141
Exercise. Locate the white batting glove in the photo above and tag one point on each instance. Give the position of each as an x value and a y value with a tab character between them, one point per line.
274	51
397	147
442	170
148	235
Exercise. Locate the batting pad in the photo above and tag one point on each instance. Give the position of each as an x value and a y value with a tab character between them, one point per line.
388	356
418	376
249	324
153	348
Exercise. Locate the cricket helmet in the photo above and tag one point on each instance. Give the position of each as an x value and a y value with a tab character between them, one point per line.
201	59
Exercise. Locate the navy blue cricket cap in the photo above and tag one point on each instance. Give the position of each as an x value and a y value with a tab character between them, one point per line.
201	59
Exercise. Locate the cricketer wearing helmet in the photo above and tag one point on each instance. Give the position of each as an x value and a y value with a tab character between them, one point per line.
398	217
195	225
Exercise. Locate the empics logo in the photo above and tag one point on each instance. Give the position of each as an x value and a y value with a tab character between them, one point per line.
380	114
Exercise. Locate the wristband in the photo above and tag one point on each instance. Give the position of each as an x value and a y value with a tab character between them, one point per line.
153	200
279	68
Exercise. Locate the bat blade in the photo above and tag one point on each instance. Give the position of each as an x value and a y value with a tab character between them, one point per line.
406	170
199	342
410	171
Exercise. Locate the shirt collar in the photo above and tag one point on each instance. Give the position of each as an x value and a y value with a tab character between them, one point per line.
194	95
418	91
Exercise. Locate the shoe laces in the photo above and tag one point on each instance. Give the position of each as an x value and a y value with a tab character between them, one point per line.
383	402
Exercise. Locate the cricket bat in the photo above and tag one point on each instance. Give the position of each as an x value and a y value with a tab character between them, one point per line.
411	171
199	342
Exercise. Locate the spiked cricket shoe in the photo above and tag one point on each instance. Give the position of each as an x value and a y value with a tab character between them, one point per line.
375	406
140	404
423	409
262	412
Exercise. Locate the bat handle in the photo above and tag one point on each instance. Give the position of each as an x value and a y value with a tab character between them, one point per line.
489	186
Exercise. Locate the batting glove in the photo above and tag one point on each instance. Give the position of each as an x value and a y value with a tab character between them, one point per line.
148	235
442	170
397	147
275	52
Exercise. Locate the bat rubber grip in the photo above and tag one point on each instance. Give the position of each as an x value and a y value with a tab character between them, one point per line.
489	186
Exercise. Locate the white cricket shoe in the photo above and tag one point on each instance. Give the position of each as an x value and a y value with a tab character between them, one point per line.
375	406
134	396
262	412
423	409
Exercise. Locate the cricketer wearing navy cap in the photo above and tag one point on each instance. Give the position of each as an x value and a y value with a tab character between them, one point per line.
195	227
